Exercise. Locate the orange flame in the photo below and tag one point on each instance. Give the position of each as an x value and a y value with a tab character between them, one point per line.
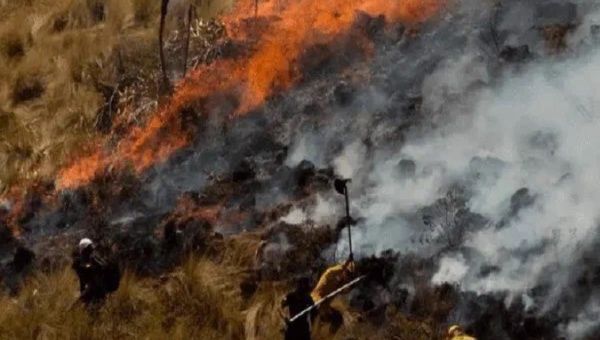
297	24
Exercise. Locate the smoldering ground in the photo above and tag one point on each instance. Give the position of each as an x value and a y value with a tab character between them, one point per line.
502	184
471	144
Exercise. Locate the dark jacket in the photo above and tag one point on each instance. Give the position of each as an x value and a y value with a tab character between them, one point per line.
296	302
90	271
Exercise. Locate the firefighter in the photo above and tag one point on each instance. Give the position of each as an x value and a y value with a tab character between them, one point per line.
333	278
296	302
91	271
455	332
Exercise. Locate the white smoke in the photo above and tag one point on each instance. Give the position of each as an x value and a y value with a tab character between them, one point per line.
296	216
532	126
542	126
536	128
453	270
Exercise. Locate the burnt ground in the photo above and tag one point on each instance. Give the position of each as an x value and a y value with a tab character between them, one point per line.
238	177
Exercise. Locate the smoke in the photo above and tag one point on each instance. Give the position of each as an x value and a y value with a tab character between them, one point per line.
519	142
484	162
452	270
295	217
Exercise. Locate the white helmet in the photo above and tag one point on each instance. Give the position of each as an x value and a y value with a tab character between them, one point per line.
84	243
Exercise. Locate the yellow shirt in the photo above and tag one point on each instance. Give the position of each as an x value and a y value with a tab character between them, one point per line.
332	279
462	337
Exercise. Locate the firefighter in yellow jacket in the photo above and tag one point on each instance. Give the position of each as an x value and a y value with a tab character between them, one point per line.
332	279
456	332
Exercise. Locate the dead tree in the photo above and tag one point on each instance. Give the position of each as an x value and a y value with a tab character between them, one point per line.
163	15
446	220
186	48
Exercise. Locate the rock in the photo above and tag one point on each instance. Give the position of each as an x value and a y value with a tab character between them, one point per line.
515	54
407	168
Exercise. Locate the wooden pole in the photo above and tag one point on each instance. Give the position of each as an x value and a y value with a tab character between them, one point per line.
163	15
348	222
186	48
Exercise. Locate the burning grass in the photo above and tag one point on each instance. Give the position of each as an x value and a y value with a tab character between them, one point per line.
269	67
55	59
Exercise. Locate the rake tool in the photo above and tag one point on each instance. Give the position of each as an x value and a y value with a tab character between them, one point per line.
341	187
327	297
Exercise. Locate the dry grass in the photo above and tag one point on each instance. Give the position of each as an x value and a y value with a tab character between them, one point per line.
181	305
54	57
201	299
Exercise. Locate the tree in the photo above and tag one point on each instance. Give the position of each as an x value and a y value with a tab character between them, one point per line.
163	14
186	48
448	219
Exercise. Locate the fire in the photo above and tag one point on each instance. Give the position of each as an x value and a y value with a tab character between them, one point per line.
296	25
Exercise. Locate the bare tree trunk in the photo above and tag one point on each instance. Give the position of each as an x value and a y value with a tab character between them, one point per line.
186	48
163	15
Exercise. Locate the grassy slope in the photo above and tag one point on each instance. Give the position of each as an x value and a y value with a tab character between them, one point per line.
199	300
55	55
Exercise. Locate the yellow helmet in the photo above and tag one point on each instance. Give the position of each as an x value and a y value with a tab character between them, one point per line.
453	329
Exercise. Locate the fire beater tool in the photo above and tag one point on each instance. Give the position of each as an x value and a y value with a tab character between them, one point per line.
341	187
327	297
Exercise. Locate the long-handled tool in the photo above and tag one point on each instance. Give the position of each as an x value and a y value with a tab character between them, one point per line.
341	187
327	297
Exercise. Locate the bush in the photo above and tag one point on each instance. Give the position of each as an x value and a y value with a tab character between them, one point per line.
26	89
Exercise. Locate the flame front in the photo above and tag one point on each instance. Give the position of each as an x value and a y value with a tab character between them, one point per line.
295	25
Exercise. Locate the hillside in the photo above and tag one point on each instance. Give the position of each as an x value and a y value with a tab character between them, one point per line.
448	146
71	67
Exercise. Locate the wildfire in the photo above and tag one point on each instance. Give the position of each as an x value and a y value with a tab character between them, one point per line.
270	68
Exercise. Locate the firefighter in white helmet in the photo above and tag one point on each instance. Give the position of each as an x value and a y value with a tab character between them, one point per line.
97	277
